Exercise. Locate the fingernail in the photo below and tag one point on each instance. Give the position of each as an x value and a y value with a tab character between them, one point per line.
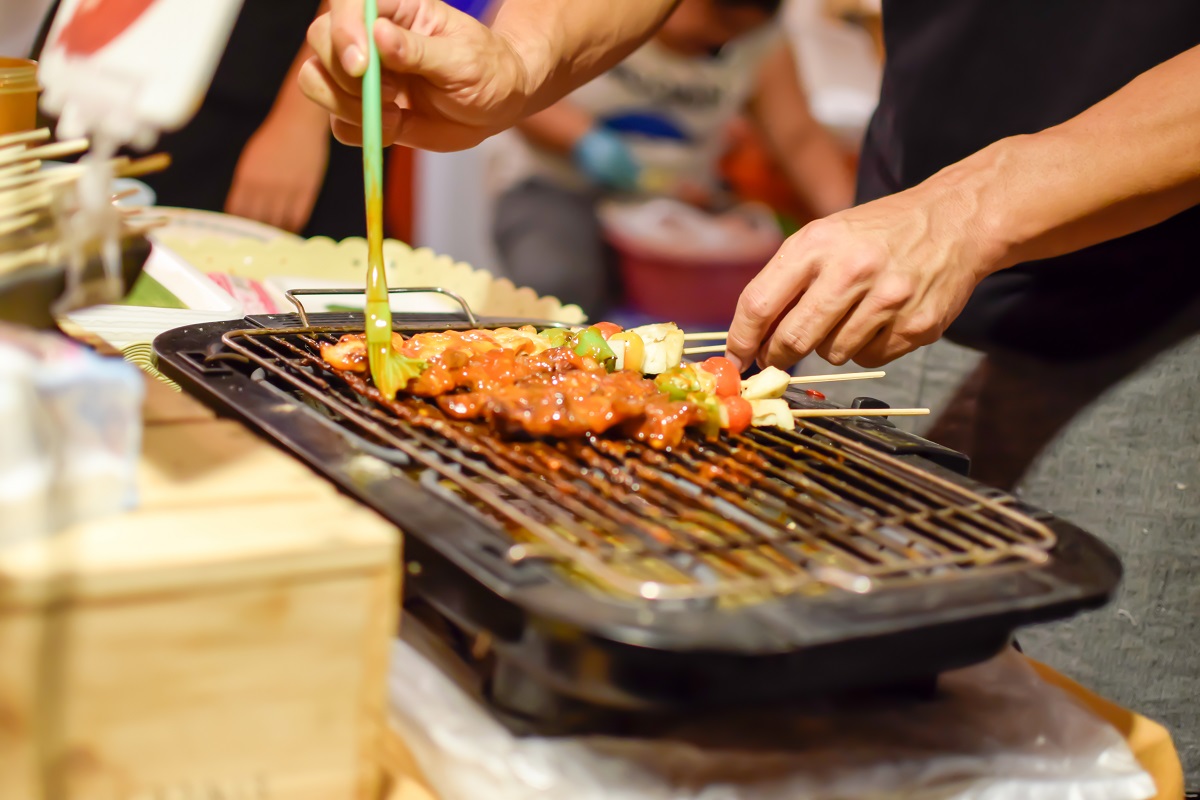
354	61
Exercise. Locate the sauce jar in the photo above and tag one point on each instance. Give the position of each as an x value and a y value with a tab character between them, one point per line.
18	95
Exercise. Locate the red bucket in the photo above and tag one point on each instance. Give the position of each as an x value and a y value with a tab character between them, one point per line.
678	263
683	290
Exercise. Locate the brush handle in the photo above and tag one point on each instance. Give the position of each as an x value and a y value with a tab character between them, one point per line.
372	127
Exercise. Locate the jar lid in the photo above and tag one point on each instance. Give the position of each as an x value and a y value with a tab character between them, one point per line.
18	75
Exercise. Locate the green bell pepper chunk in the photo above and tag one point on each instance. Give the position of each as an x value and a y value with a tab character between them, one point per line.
557	337
677	383
590	343
712	413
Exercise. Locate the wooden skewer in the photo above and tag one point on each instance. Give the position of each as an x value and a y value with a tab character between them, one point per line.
143	166
11	262
46	151
23	168
25	137
837	376
15	224
711	336
804	413
712	348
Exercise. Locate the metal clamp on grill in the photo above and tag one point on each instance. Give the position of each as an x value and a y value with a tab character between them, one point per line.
762	567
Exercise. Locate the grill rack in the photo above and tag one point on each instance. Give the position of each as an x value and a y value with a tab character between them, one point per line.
765	513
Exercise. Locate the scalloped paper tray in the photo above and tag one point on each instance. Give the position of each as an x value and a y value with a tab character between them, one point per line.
284	264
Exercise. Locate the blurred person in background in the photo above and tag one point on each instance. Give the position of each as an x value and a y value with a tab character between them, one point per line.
657	123
257	148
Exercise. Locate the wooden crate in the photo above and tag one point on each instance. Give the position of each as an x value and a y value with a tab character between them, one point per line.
227	640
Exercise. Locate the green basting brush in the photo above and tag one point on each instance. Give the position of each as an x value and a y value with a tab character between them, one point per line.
390	370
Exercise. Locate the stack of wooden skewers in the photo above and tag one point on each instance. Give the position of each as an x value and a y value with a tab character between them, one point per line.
36	203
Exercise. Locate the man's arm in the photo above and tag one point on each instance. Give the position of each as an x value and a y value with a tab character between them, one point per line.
282	167
451	81
815	165
877	281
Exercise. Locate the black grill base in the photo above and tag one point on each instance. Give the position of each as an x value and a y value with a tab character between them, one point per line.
555	655
527	706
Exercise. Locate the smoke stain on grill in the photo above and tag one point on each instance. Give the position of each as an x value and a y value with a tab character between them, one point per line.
730	521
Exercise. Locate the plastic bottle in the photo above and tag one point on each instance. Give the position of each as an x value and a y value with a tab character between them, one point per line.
26	464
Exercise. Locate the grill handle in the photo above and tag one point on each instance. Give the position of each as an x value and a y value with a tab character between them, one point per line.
293	296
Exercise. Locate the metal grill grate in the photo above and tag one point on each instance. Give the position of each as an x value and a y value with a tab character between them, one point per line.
764	513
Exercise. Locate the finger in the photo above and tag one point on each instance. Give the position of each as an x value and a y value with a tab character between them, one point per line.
883	303
320	39
407	13
348	36
347	132
814	316
761	303
435	135
885	347
318	86
859	326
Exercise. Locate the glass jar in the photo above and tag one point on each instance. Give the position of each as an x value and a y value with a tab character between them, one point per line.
18	95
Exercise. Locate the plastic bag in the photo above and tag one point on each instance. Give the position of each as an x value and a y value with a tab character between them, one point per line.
75	433
996	732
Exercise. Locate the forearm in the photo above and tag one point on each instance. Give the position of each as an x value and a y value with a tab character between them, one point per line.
814	163
566	43
1125	164
817	169
291	102
558	127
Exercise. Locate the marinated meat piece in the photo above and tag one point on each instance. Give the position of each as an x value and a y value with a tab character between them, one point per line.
450	356
578	403
663	422
486	372
350	351
427	346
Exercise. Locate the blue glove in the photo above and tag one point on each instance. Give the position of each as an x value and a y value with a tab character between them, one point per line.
603	157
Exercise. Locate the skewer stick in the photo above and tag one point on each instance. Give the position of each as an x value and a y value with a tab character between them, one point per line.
46	151
25	137
15	224
837	376
805	413
24	168
712	348
711	336
142	166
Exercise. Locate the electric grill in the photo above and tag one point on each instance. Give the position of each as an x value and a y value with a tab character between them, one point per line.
597	577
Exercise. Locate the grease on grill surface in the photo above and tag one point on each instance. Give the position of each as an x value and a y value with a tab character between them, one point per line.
734	519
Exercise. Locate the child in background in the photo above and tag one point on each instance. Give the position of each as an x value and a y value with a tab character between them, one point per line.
654	124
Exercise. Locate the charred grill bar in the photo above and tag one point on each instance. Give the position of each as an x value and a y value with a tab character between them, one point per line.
761	567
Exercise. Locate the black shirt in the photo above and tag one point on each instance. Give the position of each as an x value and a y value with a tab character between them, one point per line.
961	74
